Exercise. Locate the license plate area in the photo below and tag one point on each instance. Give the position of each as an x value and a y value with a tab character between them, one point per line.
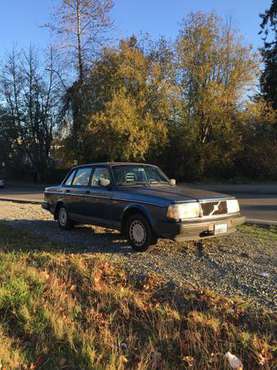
220	229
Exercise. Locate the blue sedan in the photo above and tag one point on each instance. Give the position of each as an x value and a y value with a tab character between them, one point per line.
140	201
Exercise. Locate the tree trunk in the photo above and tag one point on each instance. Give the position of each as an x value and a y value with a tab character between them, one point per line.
79	42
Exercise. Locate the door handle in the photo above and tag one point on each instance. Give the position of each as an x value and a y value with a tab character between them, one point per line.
67	191
87	191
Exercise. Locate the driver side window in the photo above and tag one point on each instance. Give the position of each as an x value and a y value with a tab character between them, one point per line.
98	174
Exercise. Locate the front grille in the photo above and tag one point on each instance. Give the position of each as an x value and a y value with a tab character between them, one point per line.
214	208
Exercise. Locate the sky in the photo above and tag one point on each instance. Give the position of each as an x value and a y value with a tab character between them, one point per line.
21	20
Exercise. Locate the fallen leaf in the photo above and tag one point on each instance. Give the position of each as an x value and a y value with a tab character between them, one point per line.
234	362
123	359
189	360
262	359
72	288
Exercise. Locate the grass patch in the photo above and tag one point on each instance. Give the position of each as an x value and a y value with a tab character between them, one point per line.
260	232
80	311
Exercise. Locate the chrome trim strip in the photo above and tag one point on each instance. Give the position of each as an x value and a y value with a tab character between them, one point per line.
203	200
107	197
137	201
211	218
81	195
216	200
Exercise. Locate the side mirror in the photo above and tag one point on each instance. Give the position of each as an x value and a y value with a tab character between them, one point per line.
104	182
172	182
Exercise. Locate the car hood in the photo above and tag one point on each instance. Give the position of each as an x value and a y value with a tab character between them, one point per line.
175	194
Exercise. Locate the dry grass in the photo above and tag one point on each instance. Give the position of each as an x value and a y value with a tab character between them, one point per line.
74	311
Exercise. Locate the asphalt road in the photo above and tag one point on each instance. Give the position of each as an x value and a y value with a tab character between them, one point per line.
259	207
257	204
32	194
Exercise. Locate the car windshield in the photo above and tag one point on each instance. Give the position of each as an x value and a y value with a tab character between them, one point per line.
138	174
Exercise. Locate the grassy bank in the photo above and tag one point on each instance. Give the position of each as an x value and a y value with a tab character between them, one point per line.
80	311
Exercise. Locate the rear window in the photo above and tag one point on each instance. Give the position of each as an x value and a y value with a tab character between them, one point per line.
100	173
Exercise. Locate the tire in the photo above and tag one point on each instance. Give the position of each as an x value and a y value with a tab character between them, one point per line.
64	221
139	233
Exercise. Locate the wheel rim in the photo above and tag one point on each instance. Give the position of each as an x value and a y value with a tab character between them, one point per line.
62	216
137	232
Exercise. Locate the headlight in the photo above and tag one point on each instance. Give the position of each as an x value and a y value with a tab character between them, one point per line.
183	211
232	206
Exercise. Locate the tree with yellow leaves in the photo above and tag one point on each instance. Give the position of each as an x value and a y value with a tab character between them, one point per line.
214	71
124	106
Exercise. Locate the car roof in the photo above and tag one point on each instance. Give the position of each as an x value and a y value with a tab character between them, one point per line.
113	164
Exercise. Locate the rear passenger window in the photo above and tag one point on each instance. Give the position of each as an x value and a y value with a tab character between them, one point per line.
100	173
82	177
70	178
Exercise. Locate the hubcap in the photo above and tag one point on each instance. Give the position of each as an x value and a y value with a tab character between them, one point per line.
62	216
137	232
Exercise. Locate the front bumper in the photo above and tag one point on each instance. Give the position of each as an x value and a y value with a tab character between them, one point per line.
47	207
181	231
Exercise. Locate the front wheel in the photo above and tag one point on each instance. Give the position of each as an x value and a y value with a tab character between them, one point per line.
140	234
64	221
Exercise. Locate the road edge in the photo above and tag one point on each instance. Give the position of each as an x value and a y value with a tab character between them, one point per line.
254	221
24	201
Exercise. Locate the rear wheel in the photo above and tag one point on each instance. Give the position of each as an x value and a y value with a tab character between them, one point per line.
64	221
139	233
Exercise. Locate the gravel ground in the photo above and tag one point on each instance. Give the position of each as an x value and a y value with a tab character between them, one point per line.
242	264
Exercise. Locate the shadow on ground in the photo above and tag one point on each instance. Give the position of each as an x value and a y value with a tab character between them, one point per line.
46	235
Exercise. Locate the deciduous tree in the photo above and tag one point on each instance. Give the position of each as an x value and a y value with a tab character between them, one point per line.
214	71
269	53
256	132
31	96
124	105
80	26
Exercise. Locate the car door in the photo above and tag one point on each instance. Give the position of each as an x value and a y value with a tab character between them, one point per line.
100	197
79	192
66	190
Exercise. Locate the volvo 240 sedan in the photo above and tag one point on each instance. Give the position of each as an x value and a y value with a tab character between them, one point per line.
141	202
